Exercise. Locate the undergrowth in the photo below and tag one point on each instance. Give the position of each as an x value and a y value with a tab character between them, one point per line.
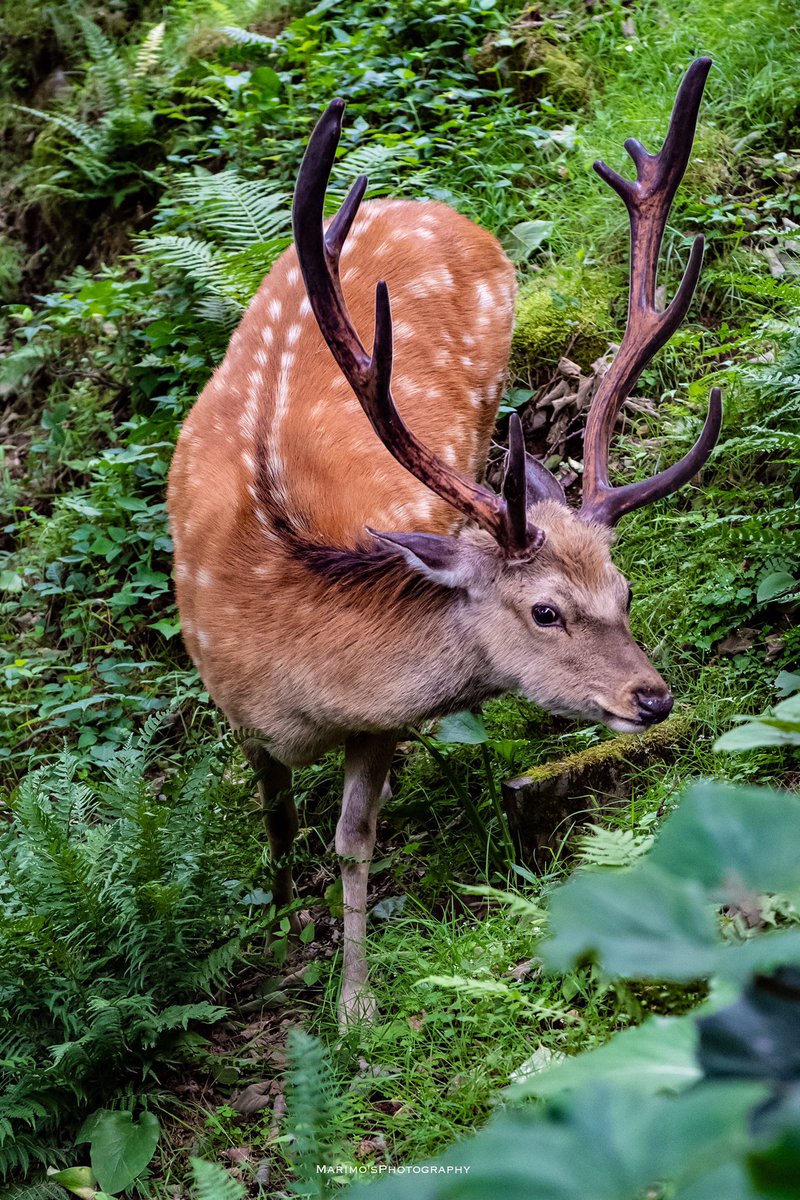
149	154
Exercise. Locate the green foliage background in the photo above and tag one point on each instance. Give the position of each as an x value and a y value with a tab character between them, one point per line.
148	154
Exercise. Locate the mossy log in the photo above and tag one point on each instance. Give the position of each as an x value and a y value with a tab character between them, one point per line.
543	805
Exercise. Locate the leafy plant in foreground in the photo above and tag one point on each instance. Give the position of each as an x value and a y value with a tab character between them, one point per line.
698	1110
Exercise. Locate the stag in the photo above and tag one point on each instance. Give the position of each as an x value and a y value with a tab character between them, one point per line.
342	572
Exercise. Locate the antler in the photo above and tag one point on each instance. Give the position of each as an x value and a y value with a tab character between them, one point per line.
319	251
648	200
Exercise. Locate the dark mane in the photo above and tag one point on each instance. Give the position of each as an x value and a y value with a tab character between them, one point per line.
371	567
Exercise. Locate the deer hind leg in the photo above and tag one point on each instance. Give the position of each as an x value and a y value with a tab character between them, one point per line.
280	816
366	764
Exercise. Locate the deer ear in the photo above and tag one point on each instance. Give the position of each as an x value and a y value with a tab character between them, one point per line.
444	560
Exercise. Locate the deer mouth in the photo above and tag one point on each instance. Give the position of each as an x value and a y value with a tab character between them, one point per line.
622	724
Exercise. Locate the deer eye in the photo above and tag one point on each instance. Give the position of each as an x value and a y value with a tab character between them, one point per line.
545	614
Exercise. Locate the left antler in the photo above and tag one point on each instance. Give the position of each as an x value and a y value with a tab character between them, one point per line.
648	200
318	251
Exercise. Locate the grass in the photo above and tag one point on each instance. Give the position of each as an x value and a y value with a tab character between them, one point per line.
108	342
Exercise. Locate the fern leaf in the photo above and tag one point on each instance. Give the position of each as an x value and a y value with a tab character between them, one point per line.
149	52
244	37
212	1182
611	847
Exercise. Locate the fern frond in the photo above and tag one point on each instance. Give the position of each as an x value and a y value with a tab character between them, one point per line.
201	262
611	847
149	52
88	135
244	37
241	212
212	1182
311	1110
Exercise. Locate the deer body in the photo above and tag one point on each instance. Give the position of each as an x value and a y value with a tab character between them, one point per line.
341	570
277	473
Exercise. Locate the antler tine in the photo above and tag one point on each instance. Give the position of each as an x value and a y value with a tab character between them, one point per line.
370	375
648	200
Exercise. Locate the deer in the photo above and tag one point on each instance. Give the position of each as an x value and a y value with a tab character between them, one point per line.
342	570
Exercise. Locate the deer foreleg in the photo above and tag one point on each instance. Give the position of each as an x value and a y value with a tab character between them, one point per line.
366	763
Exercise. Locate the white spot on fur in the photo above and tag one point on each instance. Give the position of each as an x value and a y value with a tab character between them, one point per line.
203	638
275	307
267	335
249	462
181	569
467	362
292	334
485	296
305	307
293	276
204	578
262	358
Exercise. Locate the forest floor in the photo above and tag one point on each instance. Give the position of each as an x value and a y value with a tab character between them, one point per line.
148	155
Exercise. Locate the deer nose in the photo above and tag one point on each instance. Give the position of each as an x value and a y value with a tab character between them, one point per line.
655	704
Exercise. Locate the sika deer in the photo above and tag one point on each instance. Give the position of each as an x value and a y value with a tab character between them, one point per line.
341	571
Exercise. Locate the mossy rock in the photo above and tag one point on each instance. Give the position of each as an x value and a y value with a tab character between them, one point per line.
557	317
535	66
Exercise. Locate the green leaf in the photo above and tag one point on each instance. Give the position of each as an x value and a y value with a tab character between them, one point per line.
657	1056
602	1143
640	923
530	235
721	832
462	728
122	1148
212	1182
78	1180
775	585
758	1037
787	682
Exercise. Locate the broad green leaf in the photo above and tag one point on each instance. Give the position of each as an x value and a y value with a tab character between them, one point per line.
640	923
787	682
122	1148
758	1037
775	1163
78	1180
745	836
657	1056
462	728
530	235
754	734
774	585
601	1143
729	1182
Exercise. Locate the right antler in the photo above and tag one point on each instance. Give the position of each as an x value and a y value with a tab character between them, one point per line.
504	517
648	200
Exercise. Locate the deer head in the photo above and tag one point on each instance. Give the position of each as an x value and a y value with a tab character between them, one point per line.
531	579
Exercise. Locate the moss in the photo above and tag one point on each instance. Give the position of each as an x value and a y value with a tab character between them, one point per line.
560	315
10	269
564	77
625	748
535	66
